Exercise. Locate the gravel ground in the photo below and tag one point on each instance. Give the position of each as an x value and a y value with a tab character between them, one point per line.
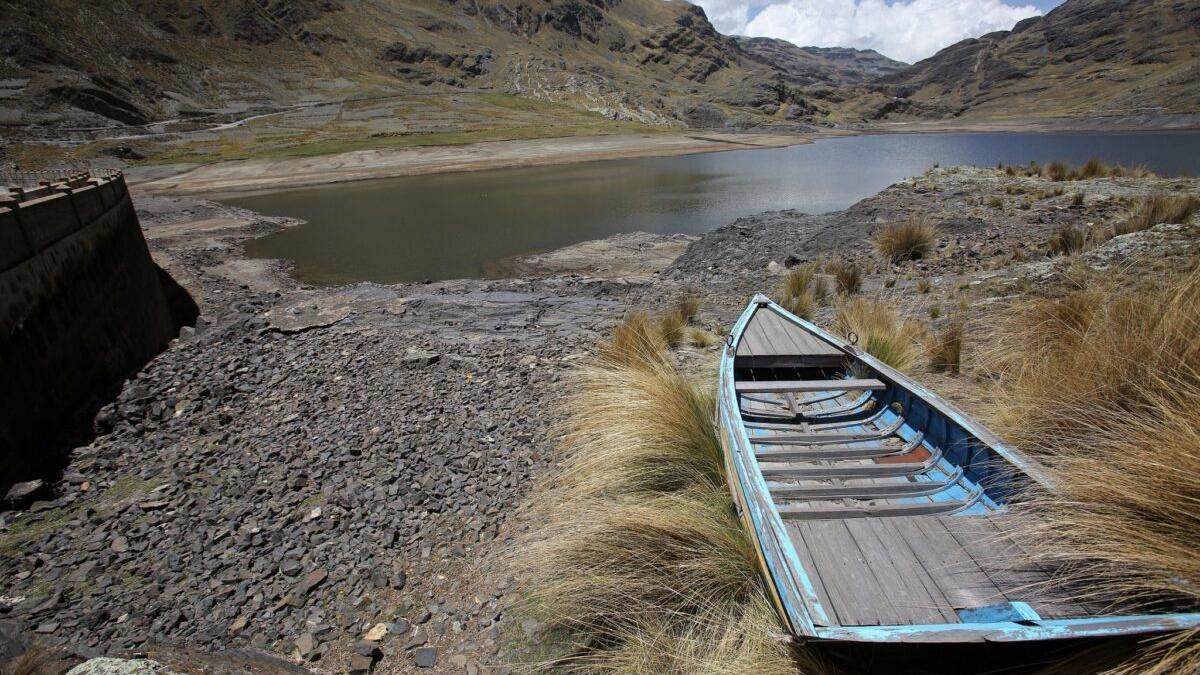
326	474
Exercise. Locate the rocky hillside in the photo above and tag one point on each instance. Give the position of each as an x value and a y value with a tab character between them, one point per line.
131	62
80	67
1086	57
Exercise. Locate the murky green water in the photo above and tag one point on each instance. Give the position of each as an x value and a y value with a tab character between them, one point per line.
462	225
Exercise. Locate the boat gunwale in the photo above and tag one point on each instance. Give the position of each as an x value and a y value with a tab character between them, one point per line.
803	624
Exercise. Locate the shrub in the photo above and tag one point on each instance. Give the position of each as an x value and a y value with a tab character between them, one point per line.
1077	199
924	286
995	202
1156	209
935	311
1068	240
847	276
881	331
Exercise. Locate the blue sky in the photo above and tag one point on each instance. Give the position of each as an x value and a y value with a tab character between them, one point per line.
908	30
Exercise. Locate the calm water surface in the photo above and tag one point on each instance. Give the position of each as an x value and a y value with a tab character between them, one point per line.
462	225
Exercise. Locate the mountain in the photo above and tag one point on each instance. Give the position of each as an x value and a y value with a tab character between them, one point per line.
834	67
88	69
1086	57
132	62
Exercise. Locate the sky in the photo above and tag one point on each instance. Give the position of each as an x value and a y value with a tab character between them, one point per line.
907	30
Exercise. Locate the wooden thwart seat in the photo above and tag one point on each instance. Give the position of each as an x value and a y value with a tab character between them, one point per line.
829	437
857	452
871	490
803	512
844	470
806	386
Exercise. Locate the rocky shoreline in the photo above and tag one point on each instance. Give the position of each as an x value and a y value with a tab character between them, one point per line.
328	475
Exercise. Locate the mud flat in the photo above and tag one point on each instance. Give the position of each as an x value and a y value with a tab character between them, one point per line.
258	175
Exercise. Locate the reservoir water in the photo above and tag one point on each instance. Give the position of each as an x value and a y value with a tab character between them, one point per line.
449	226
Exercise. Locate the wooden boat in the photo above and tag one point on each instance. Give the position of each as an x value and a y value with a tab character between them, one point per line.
878	509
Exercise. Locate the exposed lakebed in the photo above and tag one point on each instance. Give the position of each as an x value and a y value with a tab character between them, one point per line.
459	225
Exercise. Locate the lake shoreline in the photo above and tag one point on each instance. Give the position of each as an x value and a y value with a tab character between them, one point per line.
243	177
259	176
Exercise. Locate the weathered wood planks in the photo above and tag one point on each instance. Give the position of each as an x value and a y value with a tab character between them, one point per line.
808	386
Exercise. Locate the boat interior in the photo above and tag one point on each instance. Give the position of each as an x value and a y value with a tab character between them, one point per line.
896	511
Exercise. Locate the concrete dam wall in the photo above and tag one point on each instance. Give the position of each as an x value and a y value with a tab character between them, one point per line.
82	306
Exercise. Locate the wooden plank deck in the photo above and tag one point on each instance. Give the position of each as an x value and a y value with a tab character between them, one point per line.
911	570
769	334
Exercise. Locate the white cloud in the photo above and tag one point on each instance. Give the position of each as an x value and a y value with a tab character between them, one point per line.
909	30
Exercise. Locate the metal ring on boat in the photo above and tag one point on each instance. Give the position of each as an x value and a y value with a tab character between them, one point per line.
852	337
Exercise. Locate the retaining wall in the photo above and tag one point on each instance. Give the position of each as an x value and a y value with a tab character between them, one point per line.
82	306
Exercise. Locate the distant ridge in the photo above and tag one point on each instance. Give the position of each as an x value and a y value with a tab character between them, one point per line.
1086	57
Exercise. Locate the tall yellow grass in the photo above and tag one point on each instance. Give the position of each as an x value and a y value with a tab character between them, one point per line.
638	563
1155	209
908	240
1103	384
882	332
798	290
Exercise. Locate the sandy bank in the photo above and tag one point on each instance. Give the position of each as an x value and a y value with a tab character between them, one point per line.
275	174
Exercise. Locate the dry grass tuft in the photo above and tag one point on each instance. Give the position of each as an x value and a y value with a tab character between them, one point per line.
1077	199
820	290
1102	385
673	324
698	337
945	348
881	331
1156	209
1067	240
636	341
688	306
847	276
1094	168
639	563
802	306
1057	171
909	240
721	645
797	291
924	286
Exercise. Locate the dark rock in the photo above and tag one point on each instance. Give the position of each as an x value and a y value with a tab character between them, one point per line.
21	493
425	657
